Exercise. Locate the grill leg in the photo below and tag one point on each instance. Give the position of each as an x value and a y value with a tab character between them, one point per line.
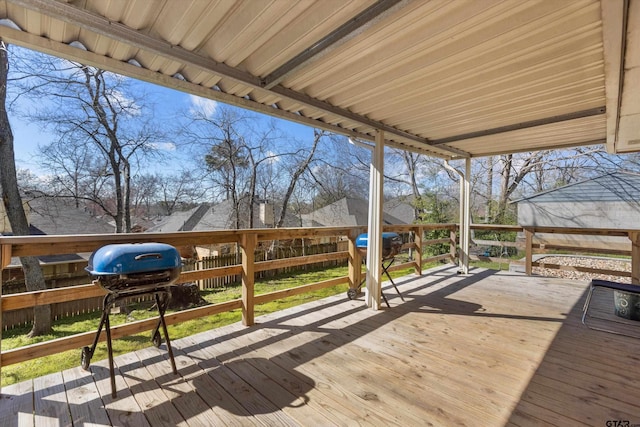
162	307
110	352
384	268
87	353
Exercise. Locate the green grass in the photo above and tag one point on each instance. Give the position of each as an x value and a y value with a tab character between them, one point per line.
16	338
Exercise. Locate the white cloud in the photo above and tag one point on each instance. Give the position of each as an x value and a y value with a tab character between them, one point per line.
127	103
273	157
164	146
204	106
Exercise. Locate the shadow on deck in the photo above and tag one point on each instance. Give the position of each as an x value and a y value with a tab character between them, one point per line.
492	348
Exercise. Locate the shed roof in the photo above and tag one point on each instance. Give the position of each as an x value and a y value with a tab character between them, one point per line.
447	78
612	187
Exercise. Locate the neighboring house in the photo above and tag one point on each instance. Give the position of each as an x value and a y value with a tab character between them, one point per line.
219	217
401	208
54	216
607	201
346	212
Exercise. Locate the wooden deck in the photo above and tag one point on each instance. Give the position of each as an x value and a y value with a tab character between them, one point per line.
488	349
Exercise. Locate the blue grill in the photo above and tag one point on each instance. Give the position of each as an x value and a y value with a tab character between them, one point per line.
135	267
131	269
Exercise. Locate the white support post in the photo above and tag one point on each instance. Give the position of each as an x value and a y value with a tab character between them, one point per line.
466	231
374	243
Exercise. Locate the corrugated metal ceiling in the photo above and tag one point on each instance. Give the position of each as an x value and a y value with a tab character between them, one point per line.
447	78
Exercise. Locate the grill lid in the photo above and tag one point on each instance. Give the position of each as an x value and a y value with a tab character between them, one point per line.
388	240
128	258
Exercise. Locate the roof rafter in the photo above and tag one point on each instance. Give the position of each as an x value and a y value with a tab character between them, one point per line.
102	26
344	33
523	125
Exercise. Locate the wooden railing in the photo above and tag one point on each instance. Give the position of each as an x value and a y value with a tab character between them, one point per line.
247	240
628	245
549	240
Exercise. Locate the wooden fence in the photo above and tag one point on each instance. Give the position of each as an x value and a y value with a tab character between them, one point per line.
265	255
247	240
24	317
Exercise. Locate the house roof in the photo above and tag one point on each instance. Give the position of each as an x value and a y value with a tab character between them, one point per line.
450	79
401	208
216	217
55	215
612	187
345	212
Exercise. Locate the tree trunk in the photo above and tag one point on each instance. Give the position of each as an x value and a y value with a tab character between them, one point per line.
34	279
411	162
489	195
127	197
296	175
505	183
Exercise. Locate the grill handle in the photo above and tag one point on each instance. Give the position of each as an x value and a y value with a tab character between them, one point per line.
148	256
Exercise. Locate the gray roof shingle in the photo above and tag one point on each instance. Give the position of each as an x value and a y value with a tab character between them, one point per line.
612	187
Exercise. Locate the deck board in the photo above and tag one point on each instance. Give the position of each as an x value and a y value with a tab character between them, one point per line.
489	349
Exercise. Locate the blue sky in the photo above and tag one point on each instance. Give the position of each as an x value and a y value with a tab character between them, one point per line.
168	102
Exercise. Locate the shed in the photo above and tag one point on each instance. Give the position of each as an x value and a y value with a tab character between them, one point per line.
607	201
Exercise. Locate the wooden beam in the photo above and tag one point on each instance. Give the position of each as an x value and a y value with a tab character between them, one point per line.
5	256
77	341
355	261
453	246
248	245
299	260
417	255
528	234
635	257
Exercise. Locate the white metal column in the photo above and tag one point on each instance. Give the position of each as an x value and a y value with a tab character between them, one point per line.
465	230
461	209
373	290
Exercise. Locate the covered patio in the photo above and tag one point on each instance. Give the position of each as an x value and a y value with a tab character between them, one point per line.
451	79
491	349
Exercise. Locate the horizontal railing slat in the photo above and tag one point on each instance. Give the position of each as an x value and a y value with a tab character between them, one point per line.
77	341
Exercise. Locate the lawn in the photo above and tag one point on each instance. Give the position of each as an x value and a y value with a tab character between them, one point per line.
55	363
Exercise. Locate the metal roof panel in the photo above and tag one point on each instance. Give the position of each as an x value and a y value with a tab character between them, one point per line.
421	71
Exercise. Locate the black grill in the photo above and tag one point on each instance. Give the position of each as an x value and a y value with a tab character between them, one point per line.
391	246
133	269
136	283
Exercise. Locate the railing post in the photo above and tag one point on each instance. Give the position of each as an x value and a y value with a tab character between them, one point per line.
5	260
355	261
1	325
528	234
453	253
417	257
635	257
248	244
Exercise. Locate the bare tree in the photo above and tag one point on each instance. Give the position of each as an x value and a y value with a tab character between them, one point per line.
34	279
174	191
100	127
340	170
